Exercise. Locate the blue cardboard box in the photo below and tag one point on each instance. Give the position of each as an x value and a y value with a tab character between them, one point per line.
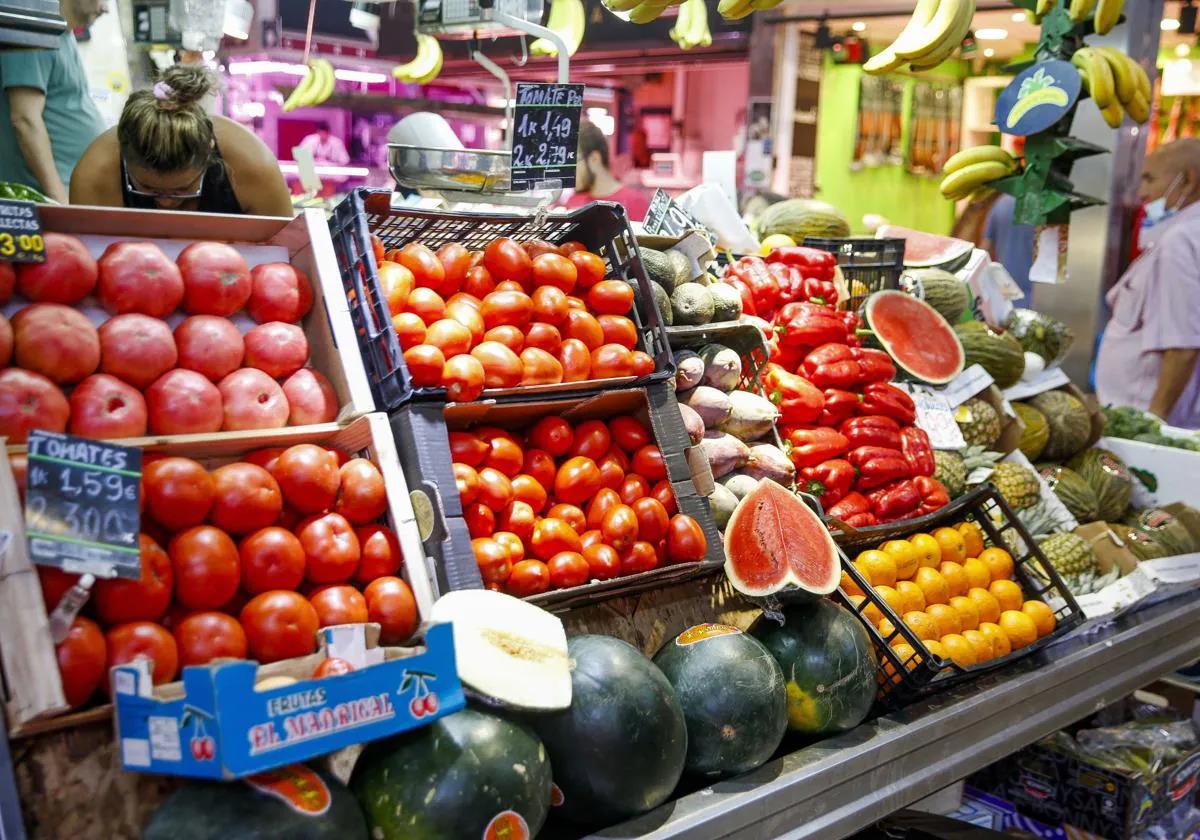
217	725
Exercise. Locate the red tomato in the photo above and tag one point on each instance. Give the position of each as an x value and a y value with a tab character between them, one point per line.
603	561
539	368
279	625
629	433
466	480
536	247
540	466
455	260
493	560
685	540
640	557
426	268
665	495
550	536
552	434
643	363
591	537
619	527
618	329
410	329
554	270
377	247
480	519
245	499
529	577
568	248
507	260
577	480
513	308
425	364
576	303
331	549
508	335
204	636
610	297
571	514
505	455
449	336
467	448
567	569
610	361
601	503
55	582
510	286
82	659
501	367
518	518
612	469
479	282
589	268
397	283
332	666
143	640
648	461
652	518
380	553
527	489
271	559
575	359
390	603
550	304
339	605
592	440
145	599
466	314
495	490
512	544
308	477
543	337
426	304
206	569
463	377
633	488
583	326
178	492
362	496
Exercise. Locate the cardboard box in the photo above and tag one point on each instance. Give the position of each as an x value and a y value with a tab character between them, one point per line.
1175	469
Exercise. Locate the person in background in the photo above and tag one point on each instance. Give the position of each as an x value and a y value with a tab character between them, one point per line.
1009	243
47	117
325	147
594	180
167	153
1147	357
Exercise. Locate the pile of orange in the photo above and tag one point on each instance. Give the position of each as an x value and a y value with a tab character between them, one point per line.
957	596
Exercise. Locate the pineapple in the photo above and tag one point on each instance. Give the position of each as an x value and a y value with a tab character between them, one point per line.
1018	485
978	422
1070	554
950	470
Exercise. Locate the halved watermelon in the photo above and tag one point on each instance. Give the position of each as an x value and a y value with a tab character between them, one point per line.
928	250
916	336
775	544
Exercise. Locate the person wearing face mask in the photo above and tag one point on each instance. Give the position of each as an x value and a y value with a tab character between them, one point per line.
167	153
595	182
1147	357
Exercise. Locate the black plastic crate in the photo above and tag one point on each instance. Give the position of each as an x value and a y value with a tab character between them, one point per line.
875	263
904	680
601	226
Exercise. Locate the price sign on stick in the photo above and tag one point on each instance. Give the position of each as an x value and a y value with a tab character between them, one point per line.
82	505
21	232
667	218
545	138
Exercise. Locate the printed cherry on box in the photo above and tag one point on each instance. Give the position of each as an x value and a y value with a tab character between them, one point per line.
218	725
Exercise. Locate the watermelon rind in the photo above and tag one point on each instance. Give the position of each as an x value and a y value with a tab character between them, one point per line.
917	318
919	251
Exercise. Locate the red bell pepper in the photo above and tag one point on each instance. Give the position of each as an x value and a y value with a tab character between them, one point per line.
810	447
743	291
872	430
764	289
809	325
853	324
876	365
918	451
933	494
798	400
837	365
888	400
829	480
839	405
878	465
893	501
789	280
854	510
812	261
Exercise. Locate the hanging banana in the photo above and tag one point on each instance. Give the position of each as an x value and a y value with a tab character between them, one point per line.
933	33
567	18
425	66
314	88
691	27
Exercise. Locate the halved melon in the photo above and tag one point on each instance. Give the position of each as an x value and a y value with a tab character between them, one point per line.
916	336
775	544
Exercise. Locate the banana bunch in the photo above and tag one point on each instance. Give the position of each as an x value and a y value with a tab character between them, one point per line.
691	27
567	18
639	11
933	33
737	9
314	88
1116	83
424	68
975	168
1104	13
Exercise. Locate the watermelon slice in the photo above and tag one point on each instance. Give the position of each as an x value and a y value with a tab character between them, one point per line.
774	543
928	250
916	336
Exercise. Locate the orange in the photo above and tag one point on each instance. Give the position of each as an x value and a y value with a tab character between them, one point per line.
921	624
951	543
908	657
977	573
968	611
1020	628
849	586
933	585
868	611
936	649
911	595
959	650
904	554
972	538
984	649
1007	594
1042	615
929	553
878	566
999	639
893	599
956	578
999	563
946	618
888	631
989	607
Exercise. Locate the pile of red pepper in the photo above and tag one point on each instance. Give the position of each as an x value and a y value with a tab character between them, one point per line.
850	431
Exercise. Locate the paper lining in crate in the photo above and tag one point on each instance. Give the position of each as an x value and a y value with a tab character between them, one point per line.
28	654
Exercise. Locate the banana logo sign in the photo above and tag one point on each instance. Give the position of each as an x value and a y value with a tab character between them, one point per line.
1037	98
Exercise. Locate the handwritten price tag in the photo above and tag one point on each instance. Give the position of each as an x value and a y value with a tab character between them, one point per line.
966	385
936	417
21	232
545	142
666	218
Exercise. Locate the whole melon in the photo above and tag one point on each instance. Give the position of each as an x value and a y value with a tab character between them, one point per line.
1069	422
454	778
940	289
1077	495
998	353
1108	476
1039	333
1143	545
828	663
304	804
620	749
801	217
732	694
1164	528
1037	430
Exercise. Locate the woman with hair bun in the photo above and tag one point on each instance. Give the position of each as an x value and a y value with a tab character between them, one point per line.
167	153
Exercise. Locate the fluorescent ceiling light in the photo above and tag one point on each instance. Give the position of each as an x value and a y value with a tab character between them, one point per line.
1183	50
989	52
991	34
1169	25
859	26
289	167
1018	17
255	68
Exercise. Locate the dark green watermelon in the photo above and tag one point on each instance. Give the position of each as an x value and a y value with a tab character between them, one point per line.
620	749
240	811
828	666
732	694
456	778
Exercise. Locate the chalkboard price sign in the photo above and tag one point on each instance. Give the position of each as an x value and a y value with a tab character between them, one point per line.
82	505
545	142
666	218
21	232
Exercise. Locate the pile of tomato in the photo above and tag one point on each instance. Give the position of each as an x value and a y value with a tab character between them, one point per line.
246	560
513	314
559	505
